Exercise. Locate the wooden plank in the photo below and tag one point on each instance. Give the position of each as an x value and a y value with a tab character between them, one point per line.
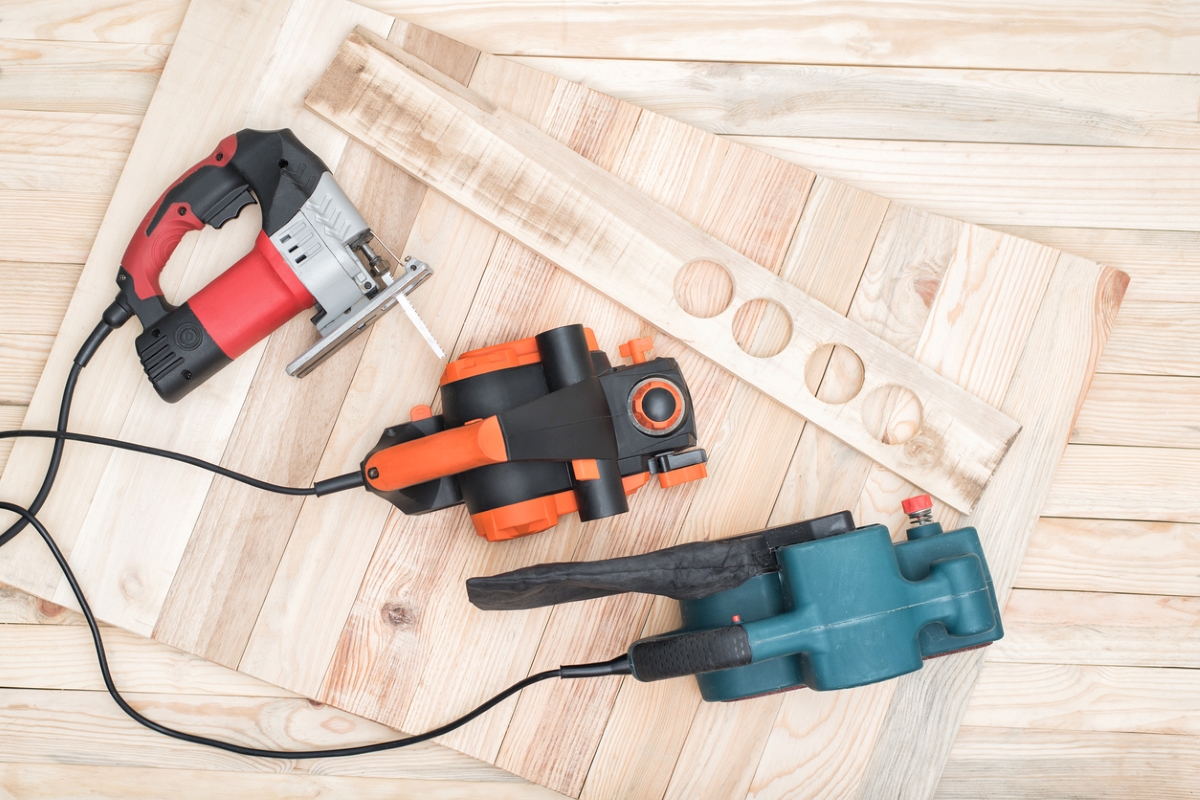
1013	184
88	728
63	153
1116	405
34	296
42	227
949	105
651	256
1018	764
64	657
1155	339
1069	332
62	781
138	21
1086	698
1100	628
1163	266
87	77
22	356
1109	555
10	418
20	608
1127	36
1148	483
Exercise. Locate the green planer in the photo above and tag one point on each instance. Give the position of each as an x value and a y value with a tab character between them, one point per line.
818	603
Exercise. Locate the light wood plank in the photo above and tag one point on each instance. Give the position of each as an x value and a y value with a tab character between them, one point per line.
1164	266
1018	764
388	106
1126	36
20	608
1086	698
1147	483
88	728
68	782
137	21
34	297
1013	184
949	105
22	356
49	228
1140	410
10	418
1069	332
63	657
1100	628
1155	339
63	153
88	77
1108	555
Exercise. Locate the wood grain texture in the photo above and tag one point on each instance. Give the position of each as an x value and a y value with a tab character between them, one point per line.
68	782
1112	555
478	151
1086	698
1130	35
1153	338
1115	412
1098	628
953	105
136	21
22	356
33	229
10	418
1012	763
1013	184
65	153
1163	266
35	295
1147	483
87	77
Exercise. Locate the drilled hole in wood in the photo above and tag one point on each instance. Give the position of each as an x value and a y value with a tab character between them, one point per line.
834	374
703	288
762	328
892	414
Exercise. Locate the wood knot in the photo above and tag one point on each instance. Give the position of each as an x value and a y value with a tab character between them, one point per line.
398	615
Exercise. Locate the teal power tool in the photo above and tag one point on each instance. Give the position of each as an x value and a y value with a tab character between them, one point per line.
818	603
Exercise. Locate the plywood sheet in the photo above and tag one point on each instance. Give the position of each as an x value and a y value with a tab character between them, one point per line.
342	600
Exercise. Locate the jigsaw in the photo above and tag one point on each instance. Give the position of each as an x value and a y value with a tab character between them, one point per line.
818	603
314	250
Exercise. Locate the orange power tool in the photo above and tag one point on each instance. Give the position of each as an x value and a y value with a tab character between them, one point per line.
537	428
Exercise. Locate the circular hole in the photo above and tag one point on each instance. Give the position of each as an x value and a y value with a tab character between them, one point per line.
187	374
220	156
283	163
892	414
834	374
182	210
703	288
762	328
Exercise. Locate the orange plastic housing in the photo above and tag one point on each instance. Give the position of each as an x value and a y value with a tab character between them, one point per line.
501	356
537	514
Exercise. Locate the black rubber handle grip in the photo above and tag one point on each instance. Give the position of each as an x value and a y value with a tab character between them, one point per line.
676	655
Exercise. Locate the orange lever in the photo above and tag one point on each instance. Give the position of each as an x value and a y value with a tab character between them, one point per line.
476	444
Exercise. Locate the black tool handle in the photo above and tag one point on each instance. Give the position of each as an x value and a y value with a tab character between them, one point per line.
678	654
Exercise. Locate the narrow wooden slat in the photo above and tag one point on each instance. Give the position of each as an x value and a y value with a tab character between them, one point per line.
1164	266
49	228
1018	764
20	608
1155	339
87	77
88	728
1013	184
137	21
950	105
62	781
1086	698
1116	412
64	657
373	95
1131	35
34	297
63	153
22	356
1073	322
1100	628
10	418
1147	483
1105	555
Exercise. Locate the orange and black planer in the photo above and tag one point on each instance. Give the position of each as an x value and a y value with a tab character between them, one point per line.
537	428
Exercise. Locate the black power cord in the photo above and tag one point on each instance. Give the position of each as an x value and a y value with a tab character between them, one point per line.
27	516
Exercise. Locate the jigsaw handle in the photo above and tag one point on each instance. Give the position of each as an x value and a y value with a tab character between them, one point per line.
691	653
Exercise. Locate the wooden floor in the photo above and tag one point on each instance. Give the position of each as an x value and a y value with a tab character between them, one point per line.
1069	124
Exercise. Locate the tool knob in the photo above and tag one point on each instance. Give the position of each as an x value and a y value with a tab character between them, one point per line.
919	509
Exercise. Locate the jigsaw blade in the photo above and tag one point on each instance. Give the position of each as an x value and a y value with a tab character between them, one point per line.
420	325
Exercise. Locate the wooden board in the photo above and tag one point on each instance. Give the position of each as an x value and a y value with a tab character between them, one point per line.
360	609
